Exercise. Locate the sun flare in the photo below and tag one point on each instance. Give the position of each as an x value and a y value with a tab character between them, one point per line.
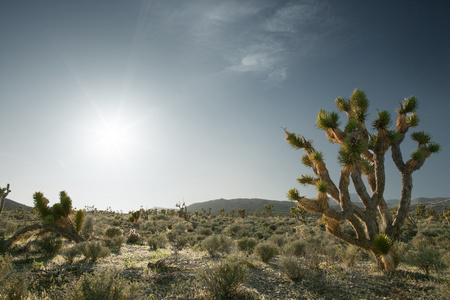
112	137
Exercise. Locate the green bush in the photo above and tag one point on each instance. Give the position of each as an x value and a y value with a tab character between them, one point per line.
105	285
425	256
216	244
293	267
295	248
222	280
113	232
50	245
157	240
93	250
13	285
88	228
70	254
247	244
266	251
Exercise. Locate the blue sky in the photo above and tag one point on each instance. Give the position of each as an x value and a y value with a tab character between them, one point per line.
130	103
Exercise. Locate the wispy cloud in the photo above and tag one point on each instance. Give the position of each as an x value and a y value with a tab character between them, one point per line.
265	57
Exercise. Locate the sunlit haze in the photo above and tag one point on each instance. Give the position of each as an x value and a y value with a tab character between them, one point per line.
126	103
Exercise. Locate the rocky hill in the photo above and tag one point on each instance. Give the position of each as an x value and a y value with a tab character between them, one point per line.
12	205
253	204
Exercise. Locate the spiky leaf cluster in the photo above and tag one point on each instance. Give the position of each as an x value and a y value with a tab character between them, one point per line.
306	180
41	204
351	150
413	120
408	106
307	161
58	210
352	125
326	120
317	157
382	121
434	147
321	186
421	137
359	105
382	243
293	195
343	104
418	155
79	220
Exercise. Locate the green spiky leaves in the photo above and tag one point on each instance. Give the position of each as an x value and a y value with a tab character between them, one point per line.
343	104
413	120
352	125
383	120
317	157
306	180
408	106
296	141
293	195
351	150
58	210
326	120
321	186
418	155
382	244
307	161
421	137
359	105
434	147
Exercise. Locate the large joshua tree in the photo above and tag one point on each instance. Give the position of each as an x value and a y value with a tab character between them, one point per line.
362	155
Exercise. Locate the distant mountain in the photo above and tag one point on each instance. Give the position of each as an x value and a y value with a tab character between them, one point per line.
12	205
249	204
253	204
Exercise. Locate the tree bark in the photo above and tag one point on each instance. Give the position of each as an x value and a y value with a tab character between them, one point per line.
72	236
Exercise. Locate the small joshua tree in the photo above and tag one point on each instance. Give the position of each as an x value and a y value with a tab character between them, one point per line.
363	155
3	193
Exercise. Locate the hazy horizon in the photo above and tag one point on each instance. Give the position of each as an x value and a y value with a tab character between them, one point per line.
130	103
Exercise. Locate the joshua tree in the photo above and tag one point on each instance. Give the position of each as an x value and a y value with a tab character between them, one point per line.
3	193
362	154
55	219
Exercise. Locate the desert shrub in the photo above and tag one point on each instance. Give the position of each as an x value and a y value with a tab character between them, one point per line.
350	255
88	228
266	251
113	232
293	267
295	248
222	280
50	245
179	241
425	256
278	239
247	244
70	254
105	285
13	285
217	243
157	240
205	231
133	236
115	243
233	230
93	250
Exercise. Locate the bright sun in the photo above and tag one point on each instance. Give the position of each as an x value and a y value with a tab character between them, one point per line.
111	138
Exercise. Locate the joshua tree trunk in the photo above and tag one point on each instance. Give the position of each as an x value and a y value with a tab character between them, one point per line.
363	155
70	235
3	193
